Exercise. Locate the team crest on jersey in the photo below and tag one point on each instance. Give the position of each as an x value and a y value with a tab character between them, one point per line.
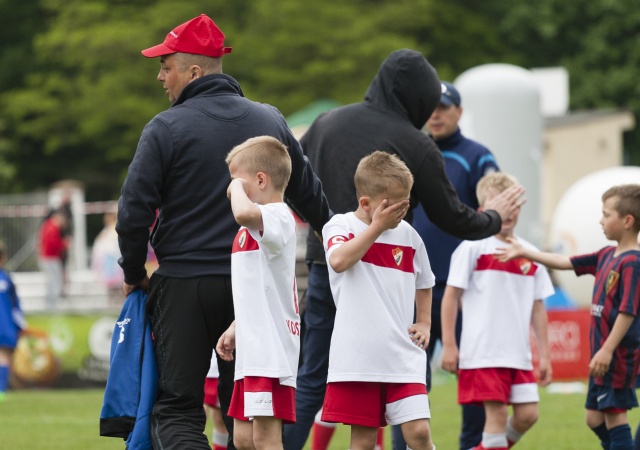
397	255
242	239
525	266
612	279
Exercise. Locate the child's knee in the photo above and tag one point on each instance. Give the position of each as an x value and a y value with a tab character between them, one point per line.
525	418
417	433
593	418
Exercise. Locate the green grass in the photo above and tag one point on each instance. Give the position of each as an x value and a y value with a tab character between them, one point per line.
68	419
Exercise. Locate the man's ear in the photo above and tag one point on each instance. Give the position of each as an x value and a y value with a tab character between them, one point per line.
196	72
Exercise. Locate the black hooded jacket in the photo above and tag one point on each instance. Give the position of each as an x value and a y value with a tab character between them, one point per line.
397	104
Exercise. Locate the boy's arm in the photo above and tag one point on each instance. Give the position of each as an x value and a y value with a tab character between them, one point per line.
449	314
600	362
420	331
385	217
516	250
539	323
245	212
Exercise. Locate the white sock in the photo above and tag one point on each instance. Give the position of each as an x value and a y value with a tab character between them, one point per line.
512	434
494	440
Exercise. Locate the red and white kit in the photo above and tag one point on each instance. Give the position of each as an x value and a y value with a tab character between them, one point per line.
265	302
498	299
375	302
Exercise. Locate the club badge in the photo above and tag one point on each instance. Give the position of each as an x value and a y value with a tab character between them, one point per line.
397	255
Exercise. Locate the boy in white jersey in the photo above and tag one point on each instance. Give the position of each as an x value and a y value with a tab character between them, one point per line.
266	332
378	270
500	300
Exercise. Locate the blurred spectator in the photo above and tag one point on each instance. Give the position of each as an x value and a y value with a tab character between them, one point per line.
104	259
53	246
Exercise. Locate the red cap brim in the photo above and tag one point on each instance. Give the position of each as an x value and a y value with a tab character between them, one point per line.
157	50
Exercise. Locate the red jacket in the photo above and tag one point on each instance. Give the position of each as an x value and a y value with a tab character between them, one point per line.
52	245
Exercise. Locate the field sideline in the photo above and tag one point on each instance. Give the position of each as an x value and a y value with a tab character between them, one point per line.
68	419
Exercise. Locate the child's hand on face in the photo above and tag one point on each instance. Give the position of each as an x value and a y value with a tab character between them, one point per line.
387	217
236	183
514	250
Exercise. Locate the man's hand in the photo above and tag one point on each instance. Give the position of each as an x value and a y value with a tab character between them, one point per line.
507	202
129	288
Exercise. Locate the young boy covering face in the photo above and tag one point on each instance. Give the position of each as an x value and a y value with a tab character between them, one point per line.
378	271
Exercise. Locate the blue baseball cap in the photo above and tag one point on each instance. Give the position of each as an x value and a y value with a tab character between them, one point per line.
449	94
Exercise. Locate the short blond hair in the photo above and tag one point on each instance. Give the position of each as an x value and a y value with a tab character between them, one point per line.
495	181
377	172
628	196
264	154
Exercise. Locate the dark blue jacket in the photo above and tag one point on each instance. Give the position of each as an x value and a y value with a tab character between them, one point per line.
133	378
179	169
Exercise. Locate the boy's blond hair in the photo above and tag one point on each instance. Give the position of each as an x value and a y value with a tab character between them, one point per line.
264	154
628	196
378	172
496	181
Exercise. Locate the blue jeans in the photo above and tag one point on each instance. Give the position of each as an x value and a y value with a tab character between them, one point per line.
318	318
472	415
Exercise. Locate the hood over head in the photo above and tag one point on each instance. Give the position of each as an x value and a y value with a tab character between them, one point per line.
407	84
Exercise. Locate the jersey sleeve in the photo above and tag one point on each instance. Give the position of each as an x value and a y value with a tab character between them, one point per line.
462	264
335	233
278	227
542	283
424	275
630	288
585	264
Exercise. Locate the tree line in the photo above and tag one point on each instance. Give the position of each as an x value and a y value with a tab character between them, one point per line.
75	92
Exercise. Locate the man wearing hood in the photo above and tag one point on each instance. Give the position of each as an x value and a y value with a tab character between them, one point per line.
398	102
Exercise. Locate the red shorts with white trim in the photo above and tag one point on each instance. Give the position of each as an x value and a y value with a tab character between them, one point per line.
261	396
211	392
497	384
370	404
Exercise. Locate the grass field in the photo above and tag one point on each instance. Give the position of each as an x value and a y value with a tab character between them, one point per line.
68	419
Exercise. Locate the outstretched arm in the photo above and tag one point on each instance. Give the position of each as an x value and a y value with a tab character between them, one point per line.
516	250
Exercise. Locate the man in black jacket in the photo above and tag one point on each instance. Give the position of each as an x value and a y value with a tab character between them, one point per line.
179	171
397	104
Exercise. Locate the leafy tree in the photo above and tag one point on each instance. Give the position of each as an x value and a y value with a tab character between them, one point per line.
596	40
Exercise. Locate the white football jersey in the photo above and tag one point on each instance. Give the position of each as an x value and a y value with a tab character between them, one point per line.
375	302
496	304
265	297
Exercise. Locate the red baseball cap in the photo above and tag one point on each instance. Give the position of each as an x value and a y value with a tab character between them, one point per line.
199	36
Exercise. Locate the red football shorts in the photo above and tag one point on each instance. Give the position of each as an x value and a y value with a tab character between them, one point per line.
261	396
370	404
211	392
497	385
